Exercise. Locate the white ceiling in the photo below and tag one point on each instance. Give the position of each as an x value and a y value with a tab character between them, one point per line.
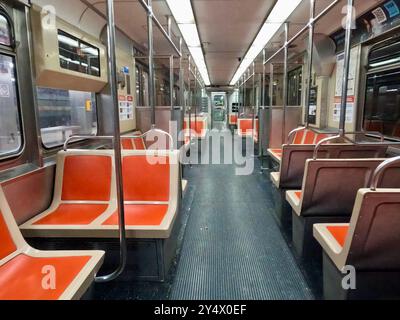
227	27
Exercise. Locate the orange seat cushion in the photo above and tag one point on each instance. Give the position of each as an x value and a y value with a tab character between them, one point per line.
7	245
127	144
246	125
233	119
310	137
139	144
21	278
140	215
73	214
86	178
144	180
339	233
278	151
320	137
298	194
298	139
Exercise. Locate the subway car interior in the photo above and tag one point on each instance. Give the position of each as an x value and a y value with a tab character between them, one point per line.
173	150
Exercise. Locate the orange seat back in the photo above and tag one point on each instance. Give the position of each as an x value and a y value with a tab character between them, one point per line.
310	137
234	119
298	139
246	125
320	137
139	144
127	144
87	178
144	180
7	245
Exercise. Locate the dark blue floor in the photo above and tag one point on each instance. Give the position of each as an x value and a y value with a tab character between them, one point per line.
232	247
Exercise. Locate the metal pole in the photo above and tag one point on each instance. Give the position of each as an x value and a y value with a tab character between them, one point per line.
263	81
196	99
181	79
151	63
254	98
285	84
171	67
189	100
271	101
113	80
310	61
149	10
346	67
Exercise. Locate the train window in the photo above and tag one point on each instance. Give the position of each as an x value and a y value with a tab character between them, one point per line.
64	113
295	79
382	104
10	121
5	31
138	88
145	86
77	55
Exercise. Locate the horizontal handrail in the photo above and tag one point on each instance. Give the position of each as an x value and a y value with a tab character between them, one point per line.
344	137
88	137
322	142
376	177
293	132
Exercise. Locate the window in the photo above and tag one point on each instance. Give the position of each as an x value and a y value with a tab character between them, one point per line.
5	32
64	113
10	120
295	79
382	104
77	55
145	86
138	88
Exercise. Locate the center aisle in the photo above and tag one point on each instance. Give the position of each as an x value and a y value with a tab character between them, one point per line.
233	248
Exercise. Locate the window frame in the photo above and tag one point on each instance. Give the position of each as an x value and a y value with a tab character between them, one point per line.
77	141
9	51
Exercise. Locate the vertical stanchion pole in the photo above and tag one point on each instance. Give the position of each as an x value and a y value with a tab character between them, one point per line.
113	81
171	67
310	62
196	98
151	63
285	82
271	102
346	67
189	100
261	123
254	98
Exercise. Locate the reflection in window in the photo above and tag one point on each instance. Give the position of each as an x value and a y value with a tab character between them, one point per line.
5	31
77	55
64	113
145	91
382	105
10	130
138	89
295	81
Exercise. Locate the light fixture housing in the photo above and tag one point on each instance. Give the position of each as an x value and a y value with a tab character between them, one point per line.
278	16
182	12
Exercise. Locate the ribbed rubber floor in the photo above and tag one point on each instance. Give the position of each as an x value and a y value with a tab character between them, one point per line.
233	248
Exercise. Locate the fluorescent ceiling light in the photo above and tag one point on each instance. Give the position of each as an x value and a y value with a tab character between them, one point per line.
183	14
189	33
278	16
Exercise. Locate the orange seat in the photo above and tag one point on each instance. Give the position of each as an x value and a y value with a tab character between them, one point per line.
145	181
320	137
86	178
21	277
73	214
7	246
339	233
28	274
233	119
140	215
298	194
298	139
310	137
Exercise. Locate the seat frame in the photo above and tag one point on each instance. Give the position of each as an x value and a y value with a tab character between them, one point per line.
79	286
151	249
